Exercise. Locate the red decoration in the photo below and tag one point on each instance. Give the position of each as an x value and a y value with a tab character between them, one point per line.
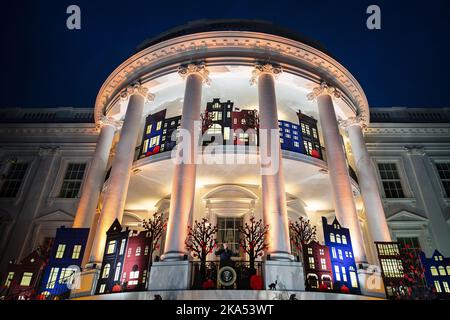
116	288
208	284
345	289
256	282
315	154
323	287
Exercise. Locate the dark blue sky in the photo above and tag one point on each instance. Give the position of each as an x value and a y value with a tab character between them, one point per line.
44	64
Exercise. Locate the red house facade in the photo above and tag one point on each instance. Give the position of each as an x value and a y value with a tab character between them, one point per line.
317	267
22	281
137	260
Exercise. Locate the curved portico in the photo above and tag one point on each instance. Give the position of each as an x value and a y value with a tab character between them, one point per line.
183	73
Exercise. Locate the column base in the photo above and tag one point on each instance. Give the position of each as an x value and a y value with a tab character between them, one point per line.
88	284
170	275
371	282
287	274
173	256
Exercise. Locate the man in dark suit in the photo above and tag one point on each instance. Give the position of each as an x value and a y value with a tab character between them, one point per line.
225	255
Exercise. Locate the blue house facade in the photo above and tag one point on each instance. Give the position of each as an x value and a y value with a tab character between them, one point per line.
153	131
437	273
65	259
113	259
337	239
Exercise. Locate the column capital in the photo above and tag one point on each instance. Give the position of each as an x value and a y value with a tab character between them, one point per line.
109	121
323	88
358	120
195	68
137	88
261	68
415	150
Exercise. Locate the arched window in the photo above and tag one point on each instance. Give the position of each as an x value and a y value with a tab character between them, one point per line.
138	251
344	239
338	238
117	274
433	271
332	237
215	129
106	271
442	271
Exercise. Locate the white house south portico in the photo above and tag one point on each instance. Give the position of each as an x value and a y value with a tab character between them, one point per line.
289	75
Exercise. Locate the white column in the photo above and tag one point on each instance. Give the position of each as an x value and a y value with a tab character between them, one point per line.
116	193
376	218
97	171
273	186
183	181
337	168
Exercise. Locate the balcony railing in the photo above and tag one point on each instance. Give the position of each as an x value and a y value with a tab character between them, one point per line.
238	275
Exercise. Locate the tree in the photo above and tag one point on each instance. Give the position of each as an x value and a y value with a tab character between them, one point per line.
251	120
201	241
207	121
413	281
253	239
302	232
155	226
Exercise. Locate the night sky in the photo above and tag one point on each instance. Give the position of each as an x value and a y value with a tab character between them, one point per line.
406	63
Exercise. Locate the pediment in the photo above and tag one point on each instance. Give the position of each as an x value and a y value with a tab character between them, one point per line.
58	215
406	216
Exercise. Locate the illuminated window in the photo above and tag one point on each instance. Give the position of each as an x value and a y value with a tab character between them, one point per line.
448	270
138	251
311	262
106	270
66	275
228	231
215	129
226	133
340	254
76	251
122	247
117	274
60	251
332	239
444	174
145	146
111	247
134	274
446	288
144	276
390	180
149	129
321	252
52	278
102	288
333	252
434	271
344	274
323	264
71	185
296	144
314	130
344	239
310	251
353	278
154	141
26	279
338	238
146	250
442	271
337	273
13	180
392	268
437	286
9	279
129	252
158	125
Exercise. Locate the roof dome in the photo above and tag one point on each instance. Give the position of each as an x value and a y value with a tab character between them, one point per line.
206	25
